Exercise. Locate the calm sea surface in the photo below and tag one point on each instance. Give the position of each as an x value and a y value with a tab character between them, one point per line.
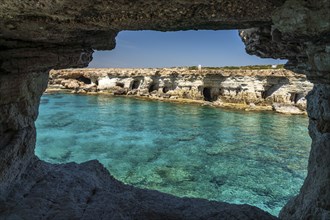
185	150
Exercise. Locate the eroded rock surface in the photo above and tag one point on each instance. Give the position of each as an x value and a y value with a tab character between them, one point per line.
36	36
301	34
318	179
92	24
269	89
88	191
19	101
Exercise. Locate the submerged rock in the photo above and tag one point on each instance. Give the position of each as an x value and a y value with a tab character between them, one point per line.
287	109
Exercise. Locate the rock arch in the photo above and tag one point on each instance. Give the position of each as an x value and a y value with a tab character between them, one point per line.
35	39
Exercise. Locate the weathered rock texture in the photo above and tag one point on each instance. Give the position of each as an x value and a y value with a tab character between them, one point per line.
301	34
87	191
36	36
314	199
277	89
20	96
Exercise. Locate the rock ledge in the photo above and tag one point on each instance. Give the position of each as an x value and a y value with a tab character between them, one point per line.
88	191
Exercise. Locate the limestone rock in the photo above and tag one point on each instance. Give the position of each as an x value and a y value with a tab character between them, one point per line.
314	198
88	191
73	84
287	109
261	87
117	90
19	100
300	34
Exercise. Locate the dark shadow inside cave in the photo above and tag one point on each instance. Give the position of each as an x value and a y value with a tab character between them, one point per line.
165	89
207	94
84	80
135	84
294	97
153	87
120	84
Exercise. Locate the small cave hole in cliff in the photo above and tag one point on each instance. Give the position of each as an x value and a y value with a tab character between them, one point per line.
136	84
294	97
152	87
207	94
84	80
270	90
165	89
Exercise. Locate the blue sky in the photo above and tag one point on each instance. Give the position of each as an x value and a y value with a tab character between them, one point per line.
174	49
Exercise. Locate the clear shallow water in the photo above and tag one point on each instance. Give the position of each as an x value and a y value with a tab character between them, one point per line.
186	150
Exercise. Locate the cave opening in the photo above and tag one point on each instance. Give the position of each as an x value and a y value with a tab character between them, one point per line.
120	84
209	91
135	84
264	94
165	89
152	87
270	90
295	97
207	94
84	80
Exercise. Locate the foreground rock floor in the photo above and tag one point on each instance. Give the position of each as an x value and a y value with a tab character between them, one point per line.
88	191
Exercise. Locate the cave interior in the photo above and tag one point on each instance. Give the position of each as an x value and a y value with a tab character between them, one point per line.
36	37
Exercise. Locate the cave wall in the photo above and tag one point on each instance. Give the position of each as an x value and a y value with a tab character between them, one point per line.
23	79
313	202
20	96
301	33
36	36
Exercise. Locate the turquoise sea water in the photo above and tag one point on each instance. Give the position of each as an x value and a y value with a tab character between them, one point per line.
185	150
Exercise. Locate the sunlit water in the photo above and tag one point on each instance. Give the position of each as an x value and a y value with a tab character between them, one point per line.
185	150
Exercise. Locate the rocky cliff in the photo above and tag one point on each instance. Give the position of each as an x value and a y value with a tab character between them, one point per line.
36	36
268	89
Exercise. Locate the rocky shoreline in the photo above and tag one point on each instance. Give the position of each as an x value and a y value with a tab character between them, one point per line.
277	90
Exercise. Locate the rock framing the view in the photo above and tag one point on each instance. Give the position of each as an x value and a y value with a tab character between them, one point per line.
38	36
266	89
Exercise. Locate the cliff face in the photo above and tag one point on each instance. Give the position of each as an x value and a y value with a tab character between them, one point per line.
36	36
278	89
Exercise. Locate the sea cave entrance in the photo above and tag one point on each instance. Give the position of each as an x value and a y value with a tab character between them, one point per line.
209	93
153	87
136	84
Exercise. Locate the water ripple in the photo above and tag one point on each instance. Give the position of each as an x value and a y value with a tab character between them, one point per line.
186	150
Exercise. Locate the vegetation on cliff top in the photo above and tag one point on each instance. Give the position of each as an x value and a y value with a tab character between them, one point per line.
254	67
